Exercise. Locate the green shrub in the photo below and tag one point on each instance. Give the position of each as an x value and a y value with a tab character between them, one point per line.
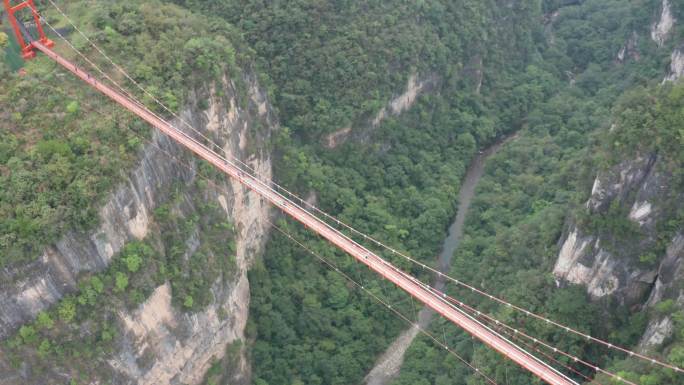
648	259
188	302
132	262
73	107
67	310
44	348
28	334
665	307
676	356
97	284
48	148
44	321
120	282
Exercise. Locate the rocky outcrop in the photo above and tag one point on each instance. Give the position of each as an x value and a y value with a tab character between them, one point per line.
632	271
667	286
161	345
641	187
582	261
660	30
627	177
403	102
336	138
656	333
415	87
27	289
549	20
676	65
670	272
629	50
181	348
184	346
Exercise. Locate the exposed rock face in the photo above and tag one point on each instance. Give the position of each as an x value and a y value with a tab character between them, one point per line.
667	286
415	87
618	183
656	333
336	138
549	20
676	65
661	28
640	212
403	102
582	261
25	290
671	270
643	189
585	259
182	346
161	344
629	50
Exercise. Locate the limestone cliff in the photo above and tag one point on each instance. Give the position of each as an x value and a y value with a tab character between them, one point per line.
634	271
161	344
660	30
676	65
626	247
611	266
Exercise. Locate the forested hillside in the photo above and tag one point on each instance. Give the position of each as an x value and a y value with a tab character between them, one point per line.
106	225
604	110
336	64
580	82
559	80
50	186
401	187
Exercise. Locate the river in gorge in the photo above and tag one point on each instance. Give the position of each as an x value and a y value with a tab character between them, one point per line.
389	364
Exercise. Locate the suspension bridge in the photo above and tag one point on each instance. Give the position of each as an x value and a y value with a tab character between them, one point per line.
488	330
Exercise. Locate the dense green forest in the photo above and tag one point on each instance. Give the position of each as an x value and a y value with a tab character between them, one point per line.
336	63
562	91
64	148
401	188
58	154
553	78
519	210
531	186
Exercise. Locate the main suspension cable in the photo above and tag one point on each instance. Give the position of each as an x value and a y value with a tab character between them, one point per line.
388	306
548	356
516	331
269	182
213	184
159	102
393	309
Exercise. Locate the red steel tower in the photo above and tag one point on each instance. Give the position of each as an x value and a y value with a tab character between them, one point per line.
22	35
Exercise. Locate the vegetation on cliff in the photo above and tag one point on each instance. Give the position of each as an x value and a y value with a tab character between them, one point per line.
549	69
62	150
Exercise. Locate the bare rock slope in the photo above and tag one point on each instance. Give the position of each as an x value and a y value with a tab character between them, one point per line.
161	344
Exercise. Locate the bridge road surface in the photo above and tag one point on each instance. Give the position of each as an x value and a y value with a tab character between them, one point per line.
374	262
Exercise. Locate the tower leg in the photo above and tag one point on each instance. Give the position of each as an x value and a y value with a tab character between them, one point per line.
25	41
